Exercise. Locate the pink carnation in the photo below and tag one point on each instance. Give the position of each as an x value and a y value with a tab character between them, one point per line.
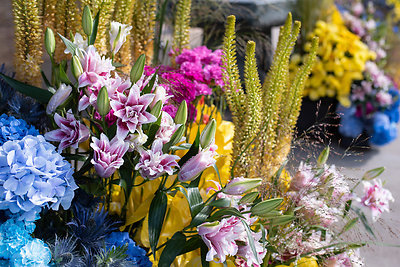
107	157
71	132
154	163
376	198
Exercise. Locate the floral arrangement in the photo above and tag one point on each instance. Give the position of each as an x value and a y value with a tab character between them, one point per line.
130	182
374	99
341	60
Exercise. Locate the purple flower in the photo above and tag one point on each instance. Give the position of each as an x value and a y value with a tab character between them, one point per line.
131	111
154	163
197	164
108	155
95	68
71	133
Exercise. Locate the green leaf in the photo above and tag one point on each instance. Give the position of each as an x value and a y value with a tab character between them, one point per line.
192	244
62	75
138	69
249	198
225	212
125	174
221	203
87	165
350	224
364	221
250	238
203	253
201	217
78	157
173	248
156	110
158	208
41	95
371	174
266	206
70	45
195	200
347	207
283	219
149	86
93	36
151	134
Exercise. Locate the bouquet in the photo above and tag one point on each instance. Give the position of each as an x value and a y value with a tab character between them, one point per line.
130	183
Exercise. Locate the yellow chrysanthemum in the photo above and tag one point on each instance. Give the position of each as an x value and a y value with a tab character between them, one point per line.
341	60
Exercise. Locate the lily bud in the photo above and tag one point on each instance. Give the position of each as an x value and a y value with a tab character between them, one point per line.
196	165
77	69
240	185
323	157
49	42
58	98
156	109
177	136
181	114
103	102
208	134
87	21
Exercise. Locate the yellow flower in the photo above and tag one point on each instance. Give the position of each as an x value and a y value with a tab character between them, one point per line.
341	60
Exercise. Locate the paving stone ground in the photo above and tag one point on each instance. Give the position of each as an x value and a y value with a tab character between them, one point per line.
388	156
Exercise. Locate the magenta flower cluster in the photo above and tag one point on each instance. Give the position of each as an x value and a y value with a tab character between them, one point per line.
198	71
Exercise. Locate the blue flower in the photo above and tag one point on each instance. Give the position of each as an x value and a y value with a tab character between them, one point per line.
14	235
350	125
383	131
14	129
393	112
32	176
34	253
136	255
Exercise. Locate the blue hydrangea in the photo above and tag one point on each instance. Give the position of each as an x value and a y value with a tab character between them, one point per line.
14	129
394	111
14	235
34	253
136	255
32	176
382	130
350	125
